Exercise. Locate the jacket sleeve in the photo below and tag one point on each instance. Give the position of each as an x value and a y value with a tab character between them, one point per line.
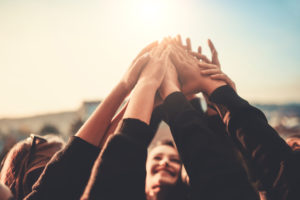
67	173
272	160
213	170
119	172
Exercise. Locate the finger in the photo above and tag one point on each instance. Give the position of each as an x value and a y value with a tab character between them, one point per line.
214	53
178	51
210	71
179	40
169	39
148	48
143	60
159	49
177	47
173	41
211	45
181	54
204	65
215	58
188	44
201	57
199	49
224	78
165	54
195	54
174	58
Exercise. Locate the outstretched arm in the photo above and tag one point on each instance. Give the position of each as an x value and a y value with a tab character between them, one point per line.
268	155
271	159
119	171
94	129
66	175
208	160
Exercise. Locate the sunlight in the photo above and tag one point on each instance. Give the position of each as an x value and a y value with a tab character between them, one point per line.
151	12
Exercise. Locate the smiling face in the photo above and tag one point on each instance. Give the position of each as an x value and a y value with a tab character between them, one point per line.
163	167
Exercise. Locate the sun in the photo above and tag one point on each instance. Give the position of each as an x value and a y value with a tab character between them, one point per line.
151	11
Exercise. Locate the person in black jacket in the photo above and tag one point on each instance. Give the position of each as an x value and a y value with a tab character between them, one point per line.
272	161
66	175
120	170
26	160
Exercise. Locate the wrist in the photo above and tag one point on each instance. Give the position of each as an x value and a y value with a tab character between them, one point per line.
211	86
123	88
168	89
147	86
151	84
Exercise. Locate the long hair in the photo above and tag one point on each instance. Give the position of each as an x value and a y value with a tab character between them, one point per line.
25	162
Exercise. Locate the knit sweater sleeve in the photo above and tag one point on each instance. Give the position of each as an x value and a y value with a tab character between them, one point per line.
119	172
67	173
209	164
273	162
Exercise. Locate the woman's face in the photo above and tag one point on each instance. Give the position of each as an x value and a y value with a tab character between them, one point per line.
163	167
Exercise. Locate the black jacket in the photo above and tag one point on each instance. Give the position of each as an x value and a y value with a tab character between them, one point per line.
211	163
67	173
272	160
213	170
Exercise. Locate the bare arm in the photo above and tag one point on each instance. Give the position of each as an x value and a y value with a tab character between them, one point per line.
94	129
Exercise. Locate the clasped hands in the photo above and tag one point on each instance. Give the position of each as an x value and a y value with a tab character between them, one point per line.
170	66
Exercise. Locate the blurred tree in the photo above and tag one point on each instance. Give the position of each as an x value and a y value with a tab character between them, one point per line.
76	126
49	129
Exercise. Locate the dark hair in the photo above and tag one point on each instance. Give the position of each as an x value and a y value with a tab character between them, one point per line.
25	162
166	142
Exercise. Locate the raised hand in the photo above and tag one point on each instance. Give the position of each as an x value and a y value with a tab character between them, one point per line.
132	74
191	79
141	103
155	70
170	82
213	67
214	72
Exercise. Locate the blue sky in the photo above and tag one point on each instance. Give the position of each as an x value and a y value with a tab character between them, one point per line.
56	54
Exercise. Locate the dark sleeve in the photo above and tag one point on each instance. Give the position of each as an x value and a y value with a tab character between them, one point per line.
213	170
67	173
272	160
119	172
196	103
156	118
157	113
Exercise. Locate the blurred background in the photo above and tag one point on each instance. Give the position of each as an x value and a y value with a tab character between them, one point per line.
60	58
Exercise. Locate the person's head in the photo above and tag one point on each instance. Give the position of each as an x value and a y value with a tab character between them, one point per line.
25	162
293	142
163	168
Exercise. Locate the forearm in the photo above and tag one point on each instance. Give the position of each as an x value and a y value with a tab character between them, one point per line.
119	171
95	127
258	141
115	123
141	102
208	159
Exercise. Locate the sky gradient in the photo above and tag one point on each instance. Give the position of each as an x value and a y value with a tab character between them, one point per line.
56	54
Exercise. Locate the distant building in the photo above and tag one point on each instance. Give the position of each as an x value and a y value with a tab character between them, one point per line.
87	108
